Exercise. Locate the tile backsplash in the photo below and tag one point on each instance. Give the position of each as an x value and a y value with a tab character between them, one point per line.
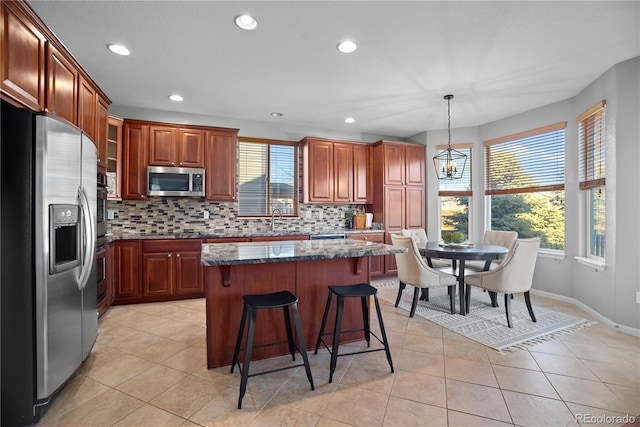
173	215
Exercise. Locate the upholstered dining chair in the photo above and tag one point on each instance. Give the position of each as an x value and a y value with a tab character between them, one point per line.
513	275
413	270
420	235
493	237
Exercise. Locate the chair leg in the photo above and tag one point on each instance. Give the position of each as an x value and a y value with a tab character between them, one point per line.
467	296
424	295
236	351
507	309
324	321
494	298
336	338
527	299
414	304
452	296
382	331
400	289
302	347
287	323
247	356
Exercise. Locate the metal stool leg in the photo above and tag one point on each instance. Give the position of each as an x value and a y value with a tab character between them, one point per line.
247	356
365	319
287	322
236	351
302	347
336	337
382	331
324	321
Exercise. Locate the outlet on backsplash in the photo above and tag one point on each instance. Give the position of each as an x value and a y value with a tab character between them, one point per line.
206	214
111	214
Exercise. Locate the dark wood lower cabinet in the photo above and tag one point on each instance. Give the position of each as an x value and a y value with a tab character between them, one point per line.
126	271
376	263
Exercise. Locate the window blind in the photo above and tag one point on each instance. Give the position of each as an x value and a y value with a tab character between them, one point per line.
267	178
457	187
592	146
526	162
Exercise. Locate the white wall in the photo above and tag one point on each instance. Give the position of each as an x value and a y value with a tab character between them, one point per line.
611	292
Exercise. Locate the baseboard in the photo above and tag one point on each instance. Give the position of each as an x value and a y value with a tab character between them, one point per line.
602	319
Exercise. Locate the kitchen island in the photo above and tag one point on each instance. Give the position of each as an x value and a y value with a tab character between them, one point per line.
304	267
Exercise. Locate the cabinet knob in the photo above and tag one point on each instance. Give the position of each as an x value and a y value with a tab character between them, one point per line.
178	255
168	255
173	163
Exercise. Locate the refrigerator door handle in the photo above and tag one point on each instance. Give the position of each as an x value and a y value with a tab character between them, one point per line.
89	235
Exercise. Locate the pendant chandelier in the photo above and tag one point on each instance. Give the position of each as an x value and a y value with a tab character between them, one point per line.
450	163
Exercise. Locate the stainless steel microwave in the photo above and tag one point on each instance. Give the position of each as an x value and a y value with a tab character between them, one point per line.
166	181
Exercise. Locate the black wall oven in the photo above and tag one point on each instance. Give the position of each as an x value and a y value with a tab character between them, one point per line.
101	211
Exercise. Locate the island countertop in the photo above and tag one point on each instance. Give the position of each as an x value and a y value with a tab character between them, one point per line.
291	250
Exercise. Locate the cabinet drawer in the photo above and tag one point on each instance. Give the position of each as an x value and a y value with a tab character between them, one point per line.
171	245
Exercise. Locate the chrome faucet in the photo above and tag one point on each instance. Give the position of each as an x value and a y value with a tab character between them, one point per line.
273	214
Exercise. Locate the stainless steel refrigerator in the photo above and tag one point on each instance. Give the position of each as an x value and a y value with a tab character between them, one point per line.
48	286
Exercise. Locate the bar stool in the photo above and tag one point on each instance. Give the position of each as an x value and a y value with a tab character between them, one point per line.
362	291
253	303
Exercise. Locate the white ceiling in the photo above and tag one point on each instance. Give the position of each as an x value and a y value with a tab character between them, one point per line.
498	58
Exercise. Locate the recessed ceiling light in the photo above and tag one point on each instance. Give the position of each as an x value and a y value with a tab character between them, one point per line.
119	49
246	22
347	46
277	114
176	97
349	120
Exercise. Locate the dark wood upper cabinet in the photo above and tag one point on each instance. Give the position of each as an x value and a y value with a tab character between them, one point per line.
162	146
190	148
134	161
414	165
102	130
335	171
87	109
220	164
22	48
394	165
62	85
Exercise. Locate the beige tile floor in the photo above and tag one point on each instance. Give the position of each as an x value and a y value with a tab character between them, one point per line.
148	368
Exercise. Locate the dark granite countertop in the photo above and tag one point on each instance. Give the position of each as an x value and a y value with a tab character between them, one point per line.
217	234
292	250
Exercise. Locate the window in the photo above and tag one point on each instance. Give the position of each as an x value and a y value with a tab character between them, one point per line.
524	184
591	132
267	177
455	196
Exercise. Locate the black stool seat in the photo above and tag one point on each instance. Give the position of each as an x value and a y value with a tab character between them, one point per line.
253	303
362	291
274	300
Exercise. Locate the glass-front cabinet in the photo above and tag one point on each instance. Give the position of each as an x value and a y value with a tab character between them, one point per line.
114	157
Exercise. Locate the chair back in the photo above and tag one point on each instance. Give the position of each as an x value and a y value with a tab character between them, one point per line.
418	234
412	269
501	238
515	275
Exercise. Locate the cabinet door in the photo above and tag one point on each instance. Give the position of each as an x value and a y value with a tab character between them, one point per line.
220	166
394	208
134	164
22	47
414	207
162	146
342	173
362	187
114	158
157	274
111	279
102	125
414	165
390	266
191	148
188	273
393	164
62	86
87	108
319	185
127	273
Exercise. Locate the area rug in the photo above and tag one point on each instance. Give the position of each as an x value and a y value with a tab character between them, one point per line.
485	324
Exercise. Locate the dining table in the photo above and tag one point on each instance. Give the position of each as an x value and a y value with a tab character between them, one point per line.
460	253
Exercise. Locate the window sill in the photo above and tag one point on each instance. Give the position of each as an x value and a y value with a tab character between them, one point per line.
590	262
547	253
